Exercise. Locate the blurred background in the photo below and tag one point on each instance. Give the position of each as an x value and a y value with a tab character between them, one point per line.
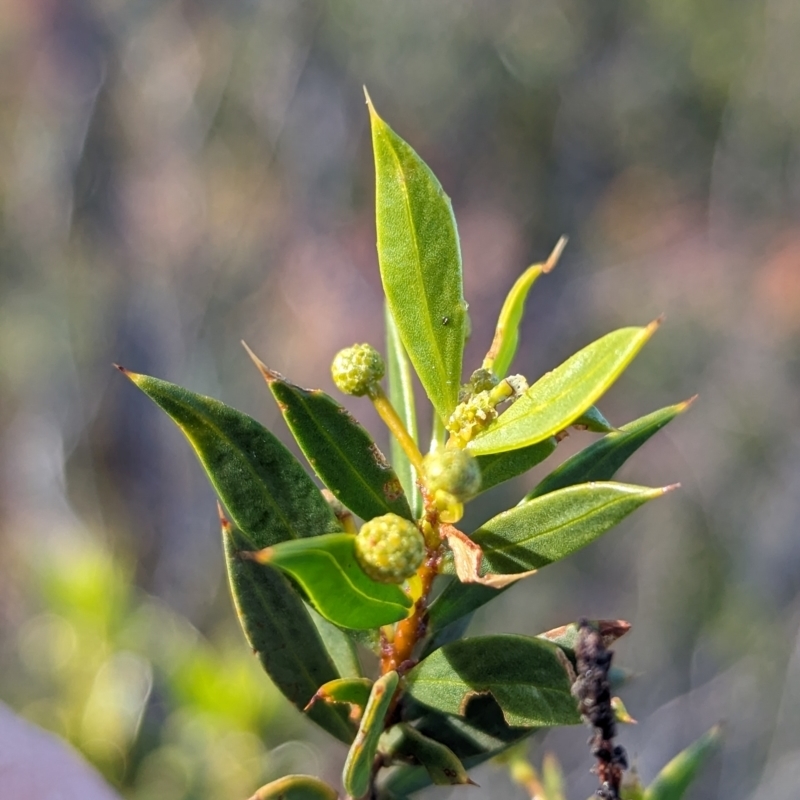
177	176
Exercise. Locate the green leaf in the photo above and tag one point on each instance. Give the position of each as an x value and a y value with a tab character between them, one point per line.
537	533
440	762
271	498
267	493
592	420
340	644
326	569
552	527
296	787
499	467
601	460
358	766
506	337
556	400
673	781
339	450
401	396
353	691
526	677
420	263
280	631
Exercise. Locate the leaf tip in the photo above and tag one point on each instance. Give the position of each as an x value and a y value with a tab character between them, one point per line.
268	374
553	258
671	488
372	112
655	324
687	404
126	372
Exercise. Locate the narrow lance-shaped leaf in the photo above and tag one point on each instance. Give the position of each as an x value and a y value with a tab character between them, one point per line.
358	766
601	460
265	489
296	787
271	499
527	678
555	526
441	763
420	263
340	644
401	396
339	450
281	633
556	400
506	336
675	779
326	569
537	533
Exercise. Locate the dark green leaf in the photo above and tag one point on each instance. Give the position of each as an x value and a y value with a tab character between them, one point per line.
673	781
526	677
552	527
506	337
420	262
401	396
536	534
440	761
500	467
601	460
358	766
296	787
340	644
556	400
280	631
326	569
267	493
592	420
339	450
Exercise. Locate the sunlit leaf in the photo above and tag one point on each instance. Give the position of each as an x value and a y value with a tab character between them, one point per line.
441	763
556	400
296	787
526	677
677	776
506	336
499	467
535	534
353	691
278	628
401	395
358	766
601	460
338	448
420	263
326	569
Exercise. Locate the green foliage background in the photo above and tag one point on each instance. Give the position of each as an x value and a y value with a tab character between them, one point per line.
177	176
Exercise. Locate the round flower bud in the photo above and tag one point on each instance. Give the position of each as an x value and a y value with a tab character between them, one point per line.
389	548
454	472
355	370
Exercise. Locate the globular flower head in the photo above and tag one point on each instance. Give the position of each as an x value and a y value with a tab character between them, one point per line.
357	369
389	548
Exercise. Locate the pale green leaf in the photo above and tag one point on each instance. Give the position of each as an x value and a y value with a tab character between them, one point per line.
420	264
556	400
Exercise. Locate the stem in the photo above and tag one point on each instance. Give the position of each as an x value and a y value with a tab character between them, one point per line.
396	426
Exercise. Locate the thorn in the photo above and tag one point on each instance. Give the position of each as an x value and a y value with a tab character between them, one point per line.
670	488
687	403
552	259
369	101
